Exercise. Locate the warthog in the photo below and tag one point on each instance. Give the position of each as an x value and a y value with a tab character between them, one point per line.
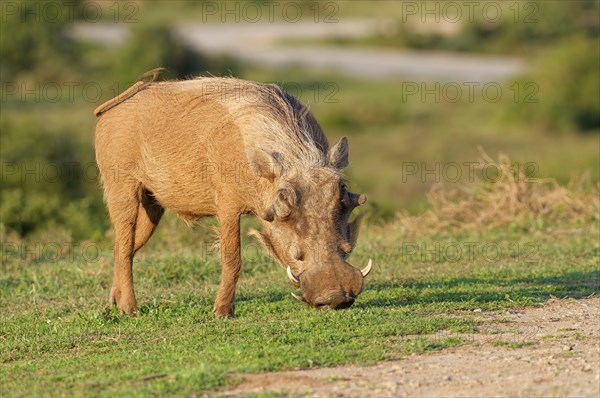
225	147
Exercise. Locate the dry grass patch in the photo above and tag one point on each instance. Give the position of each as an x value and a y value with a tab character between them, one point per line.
510	199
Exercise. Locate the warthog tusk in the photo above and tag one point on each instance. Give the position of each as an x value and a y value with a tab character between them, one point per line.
365	271
297	297
295	280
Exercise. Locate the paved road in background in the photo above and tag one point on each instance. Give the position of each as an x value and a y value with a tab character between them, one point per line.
262	44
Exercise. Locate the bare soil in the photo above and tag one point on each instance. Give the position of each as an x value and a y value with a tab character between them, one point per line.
550	351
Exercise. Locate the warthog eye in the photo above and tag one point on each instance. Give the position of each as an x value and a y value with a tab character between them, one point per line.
344	195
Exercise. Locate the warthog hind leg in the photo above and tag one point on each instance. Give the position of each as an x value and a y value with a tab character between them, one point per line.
123	202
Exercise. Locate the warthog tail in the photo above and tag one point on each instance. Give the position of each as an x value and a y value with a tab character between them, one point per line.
138	86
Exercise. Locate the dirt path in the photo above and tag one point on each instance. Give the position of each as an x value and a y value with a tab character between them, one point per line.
555	353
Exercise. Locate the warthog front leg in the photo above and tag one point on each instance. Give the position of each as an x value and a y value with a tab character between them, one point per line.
231	263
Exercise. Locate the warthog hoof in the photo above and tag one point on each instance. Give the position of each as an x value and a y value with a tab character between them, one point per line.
224	311
125	302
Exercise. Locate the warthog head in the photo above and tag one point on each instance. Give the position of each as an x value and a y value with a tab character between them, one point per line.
307	229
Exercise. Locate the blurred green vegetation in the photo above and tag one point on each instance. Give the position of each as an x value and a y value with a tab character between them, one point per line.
567	78
35	46
525	26
49	182
511	27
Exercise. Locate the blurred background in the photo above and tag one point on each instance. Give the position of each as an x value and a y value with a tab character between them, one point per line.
420	88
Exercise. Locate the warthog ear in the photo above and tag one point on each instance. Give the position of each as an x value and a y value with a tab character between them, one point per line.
265	164
338	155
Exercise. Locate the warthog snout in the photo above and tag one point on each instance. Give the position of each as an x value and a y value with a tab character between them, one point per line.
321	290
336	300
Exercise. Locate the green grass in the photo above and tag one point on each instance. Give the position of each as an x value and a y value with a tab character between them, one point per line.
512	344
59	337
